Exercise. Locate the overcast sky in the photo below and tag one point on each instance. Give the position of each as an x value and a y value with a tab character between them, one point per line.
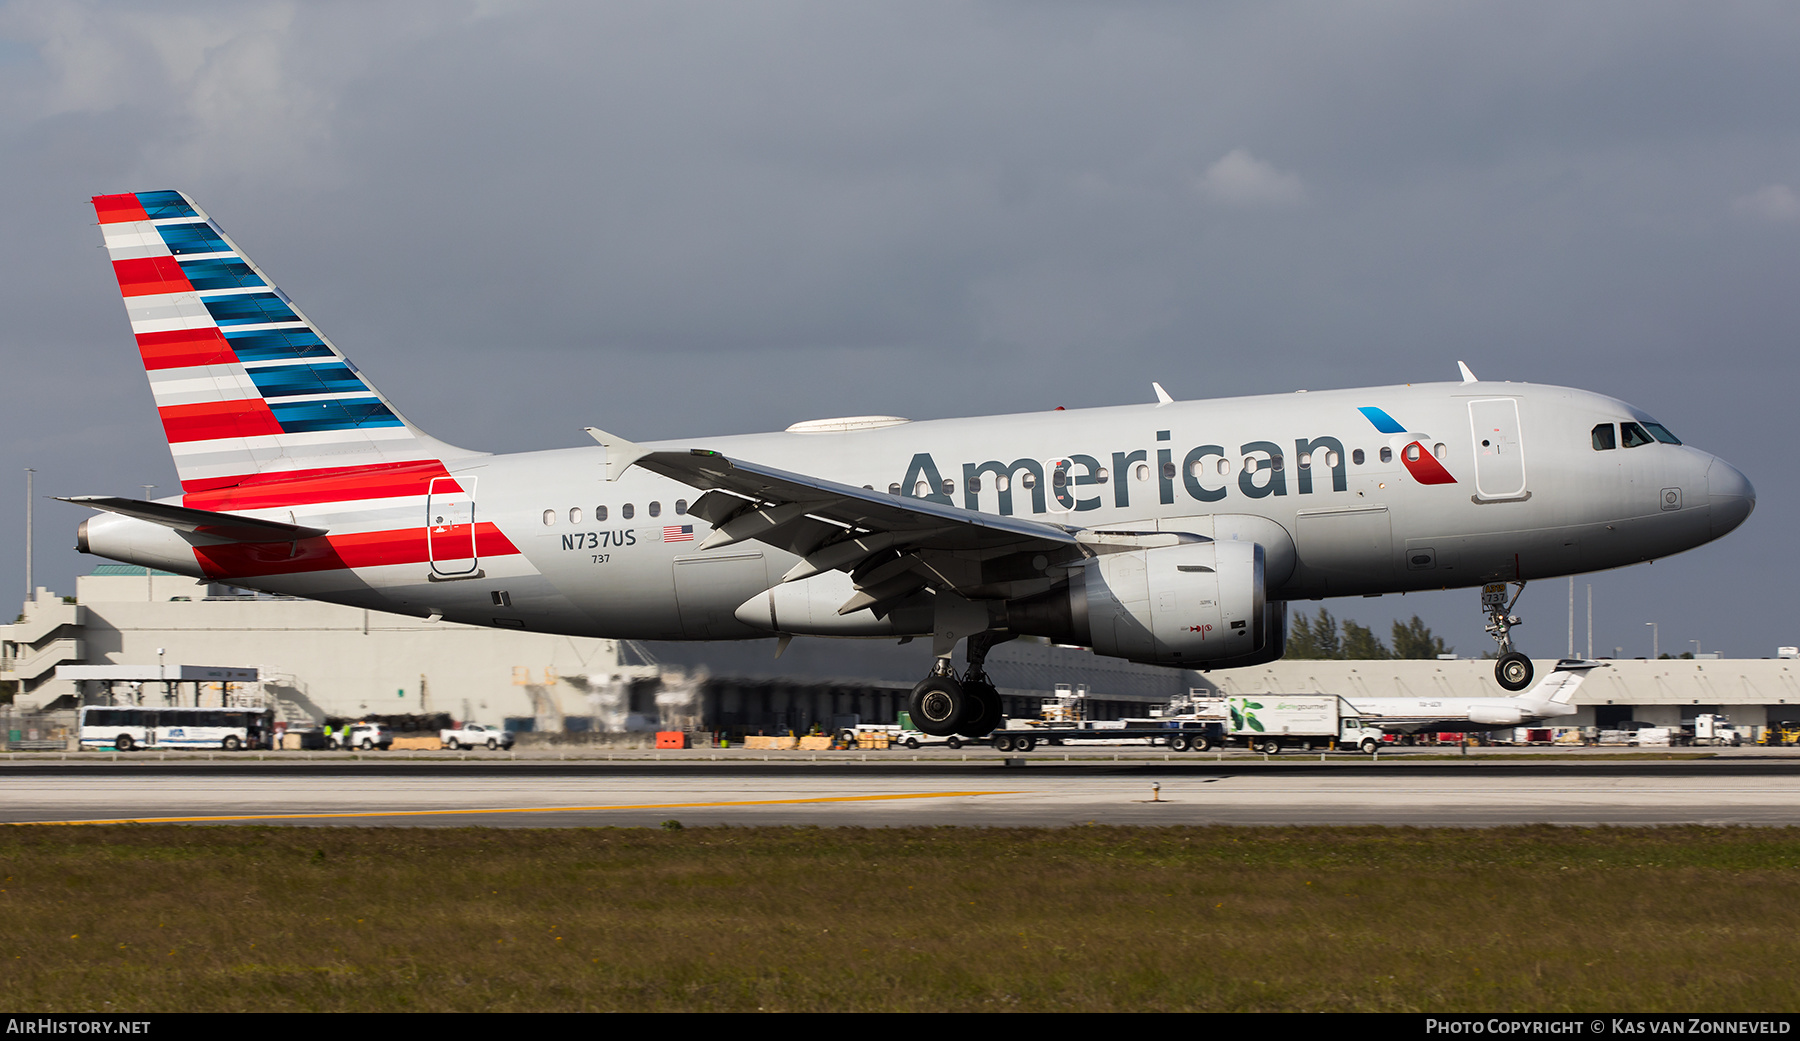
675	218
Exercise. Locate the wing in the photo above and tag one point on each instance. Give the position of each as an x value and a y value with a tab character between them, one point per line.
893	546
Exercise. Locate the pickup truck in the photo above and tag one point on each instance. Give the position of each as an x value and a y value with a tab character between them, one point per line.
474	735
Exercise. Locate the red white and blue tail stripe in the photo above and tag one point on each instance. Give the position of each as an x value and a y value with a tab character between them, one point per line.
266	417
244	383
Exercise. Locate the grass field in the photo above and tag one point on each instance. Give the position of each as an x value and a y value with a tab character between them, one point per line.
155	918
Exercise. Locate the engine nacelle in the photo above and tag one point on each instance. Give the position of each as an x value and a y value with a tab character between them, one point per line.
1193	604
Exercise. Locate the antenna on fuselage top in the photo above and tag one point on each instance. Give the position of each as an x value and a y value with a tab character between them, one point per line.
1468	377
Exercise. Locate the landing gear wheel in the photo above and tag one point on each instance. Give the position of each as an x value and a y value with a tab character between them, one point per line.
939	705
984	707
1513	671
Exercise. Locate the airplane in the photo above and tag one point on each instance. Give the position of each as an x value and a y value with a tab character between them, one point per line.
1553	696
1169	532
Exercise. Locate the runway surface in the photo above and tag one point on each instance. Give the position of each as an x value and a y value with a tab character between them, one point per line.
986	792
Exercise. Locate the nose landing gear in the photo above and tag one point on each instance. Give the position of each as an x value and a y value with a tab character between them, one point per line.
1514	670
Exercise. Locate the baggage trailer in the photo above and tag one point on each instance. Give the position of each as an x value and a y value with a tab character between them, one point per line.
1180	735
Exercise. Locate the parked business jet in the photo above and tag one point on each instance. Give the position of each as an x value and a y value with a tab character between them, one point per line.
1168	532
1553	696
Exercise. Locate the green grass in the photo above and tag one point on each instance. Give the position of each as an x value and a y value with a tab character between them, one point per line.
149	918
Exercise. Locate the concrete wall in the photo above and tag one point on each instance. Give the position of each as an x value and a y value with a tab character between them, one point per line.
332	660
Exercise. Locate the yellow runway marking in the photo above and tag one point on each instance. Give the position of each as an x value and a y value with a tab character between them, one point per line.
512	809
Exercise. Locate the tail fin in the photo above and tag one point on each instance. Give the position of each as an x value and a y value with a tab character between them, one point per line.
247	388
1558	688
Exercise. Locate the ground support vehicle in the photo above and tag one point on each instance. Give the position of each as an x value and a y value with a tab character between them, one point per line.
1179	735
474	735
1268	723
128	727
365	736
1712	728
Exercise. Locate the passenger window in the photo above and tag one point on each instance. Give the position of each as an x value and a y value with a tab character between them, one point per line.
655	509
1306	461
599	513
975	485
574	515
1387	455
1603	438
894	489
1633	435
627	510
1275	462
1224	466
1249	464
1438	450
1141	471
1412	452
1168	469
680	507
1028	481
1331	459
1356	456
1100	475
549	517
921	489
949	486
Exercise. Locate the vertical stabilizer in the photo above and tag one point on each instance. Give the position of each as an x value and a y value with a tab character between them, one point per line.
249	391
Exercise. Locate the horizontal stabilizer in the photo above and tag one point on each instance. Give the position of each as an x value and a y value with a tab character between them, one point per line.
211	528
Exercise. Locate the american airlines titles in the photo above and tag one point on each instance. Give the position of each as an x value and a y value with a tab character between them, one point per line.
1078	483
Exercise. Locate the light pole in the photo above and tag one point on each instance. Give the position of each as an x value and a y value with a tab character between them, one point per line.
30	591
1655	644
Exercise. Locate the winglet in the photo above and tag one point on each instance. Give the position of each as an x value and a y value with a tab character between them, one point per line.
1162	396
1468	377
620	453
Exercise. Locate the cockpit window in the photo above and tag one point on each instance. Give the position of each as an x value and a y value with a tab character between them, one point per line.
1634	435
1603	438
1661	433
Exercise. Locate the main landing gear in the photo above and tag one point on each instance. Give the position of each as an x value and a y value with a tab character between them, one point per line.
1513	671
943	705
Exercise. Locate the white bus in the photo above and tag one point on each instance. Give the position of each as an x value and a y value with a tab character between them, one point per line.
128	727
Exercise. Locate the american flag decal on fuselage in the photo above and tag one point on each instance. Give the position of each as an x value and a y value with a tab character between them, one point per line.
678	533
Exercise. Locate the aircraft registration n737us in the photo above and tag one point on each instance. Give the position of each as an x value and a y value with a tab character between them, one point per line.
1169	532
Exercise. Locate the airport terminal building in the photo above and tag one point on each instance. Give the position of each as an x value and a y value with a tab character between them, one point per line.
314	660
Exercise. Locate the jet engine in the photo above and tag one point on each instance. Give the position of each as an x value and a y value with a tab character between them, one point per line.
1195	604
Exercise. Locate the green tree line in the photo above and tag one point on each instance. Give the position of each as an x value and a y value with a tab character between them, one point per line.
1321	637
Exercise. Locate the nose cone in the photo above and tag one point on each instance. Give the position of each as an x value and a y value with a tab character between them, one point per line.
1730	495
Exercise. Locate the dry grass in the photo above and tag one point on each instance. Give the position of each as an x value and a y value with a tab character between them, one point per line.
271	919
